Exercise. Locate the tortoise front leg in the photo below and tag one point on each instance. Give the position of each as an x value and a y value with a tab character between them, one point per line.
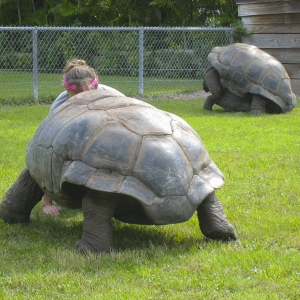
258	105
20	199
209	102
212	220
97	236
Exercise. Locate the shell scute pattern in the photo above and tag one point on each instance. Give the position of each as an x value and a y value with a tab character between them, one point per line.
251	72
246	69
117	152
74	137
146	122
195	152
162	166
121	145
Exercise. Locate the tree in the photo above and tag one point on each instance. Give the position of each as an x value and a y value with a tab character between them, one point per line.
198	12
8	6
118	12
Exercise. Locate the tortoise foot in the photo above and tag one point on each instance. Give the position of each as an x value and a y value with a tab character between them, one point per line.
209	103
256	112
213	222
97	235
258	105
85	247
225	232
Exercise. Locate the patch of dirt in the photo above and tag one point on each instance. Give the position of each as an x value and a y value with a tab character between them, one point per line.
182	96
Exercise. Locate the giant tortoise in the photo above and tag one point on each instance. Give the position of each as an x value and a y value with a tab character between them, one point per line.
115	156
242	77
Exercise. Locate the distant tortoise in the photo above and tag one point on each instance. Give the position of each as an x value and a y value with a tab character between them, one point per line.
115	156
242	77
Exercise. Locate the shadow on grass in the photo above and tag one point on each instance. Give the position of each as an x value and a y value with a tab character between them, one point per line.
62	232
139	237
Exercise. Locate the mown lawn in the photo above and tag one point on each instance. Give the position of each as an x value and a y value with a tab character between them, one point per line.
260	158
49	86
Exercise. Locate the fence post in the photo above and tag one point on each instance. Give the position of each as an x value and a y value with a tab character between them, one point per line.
231	40
35	62
141	61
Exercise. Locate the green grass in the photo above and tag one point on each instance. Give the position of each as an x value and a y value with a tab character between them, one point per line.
260	158
17	87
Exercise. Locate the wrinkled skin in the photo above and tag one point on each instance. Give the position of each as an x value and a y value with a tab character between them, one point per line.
99	208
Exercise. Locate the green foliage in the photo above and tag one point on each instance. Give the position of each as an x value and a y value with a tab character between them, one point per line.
220	13
160	63
240	31
260	159
16	52
118	13
115	52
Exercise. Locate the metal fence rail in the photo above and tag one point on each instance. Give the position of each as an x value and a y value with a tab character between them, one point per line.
135	60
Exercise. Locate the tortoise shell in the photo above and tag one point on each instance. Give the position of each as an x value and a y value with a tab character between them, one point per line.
123	146
245	69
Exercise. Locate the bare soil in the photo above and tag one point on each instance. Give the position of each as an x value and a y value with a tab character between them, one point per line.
188	96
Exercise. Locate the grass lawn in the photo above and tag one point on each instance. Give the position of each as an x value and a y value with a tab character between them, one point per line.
50	86
260	158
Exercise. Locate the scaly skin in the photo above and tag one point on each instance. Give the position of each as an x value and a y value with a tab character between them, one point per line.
98	210
20	199
212	220
211	82
97	236
258	105
209	102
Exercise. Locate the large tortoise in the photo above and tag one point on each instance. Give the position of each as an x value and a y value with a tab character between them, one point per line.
115	156
242	77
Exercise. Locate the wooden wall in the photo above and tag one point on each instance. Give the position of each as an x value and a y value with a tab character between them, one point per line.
276	30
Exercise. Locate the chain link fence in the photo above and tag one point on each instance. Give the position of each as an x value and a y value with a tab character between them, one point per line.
134	60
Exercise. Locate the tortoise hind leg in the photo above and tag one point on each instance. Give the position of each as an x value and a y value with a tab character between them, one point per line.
211	82
20	199
258	105
212	220
97	236
232	102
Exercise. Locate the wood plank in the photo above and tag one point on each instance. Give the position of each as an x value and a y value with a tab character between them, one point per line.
296	87
274	40
258	1
281	7
293	70
272	19
273	28
285	55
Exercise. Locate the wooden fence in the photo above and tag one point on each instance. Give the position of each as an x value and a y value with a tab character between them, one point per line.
276	29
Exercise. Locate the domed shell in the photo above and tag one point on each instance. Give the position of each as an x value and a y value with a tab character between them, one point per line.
116	144
246	69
